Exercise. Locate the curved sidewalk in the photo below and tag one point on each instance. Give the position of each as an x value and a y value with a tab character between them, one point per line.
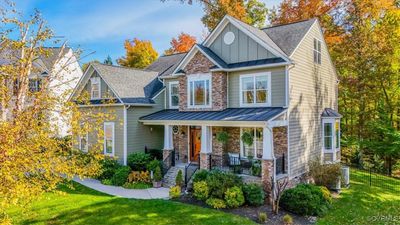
150	193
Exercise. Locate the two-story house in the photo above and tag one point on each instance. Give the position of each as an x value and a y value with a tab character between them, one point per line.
272	92
276	86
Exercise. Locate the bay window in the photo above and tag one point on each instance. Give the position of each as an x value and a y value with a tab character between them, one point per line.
255	89
109	142
256	149
331	135
173	95
199	91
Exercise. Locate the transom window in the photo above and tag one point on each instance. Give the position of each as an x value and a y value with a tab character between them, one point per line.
199	91
255	89
317	51
256	149
95	88
174	94
109	138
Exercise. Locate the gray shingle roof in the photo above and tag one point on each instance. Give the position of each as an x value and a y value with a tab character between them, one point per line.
127	82
230	114
166	64
288	36
328	112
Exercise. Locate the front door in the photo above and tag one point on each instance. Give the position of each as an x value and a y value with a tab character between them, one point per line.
195	143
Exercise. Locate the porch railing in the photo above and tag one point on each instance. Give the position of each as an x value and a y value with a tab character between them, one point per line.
168	162
236	164
190	170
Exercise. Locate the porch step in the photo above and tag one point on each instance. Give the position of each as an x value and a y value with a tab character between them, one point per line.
169	178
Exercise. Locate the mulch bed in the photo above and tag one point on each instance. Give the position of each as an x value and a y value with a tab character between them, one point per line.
251	212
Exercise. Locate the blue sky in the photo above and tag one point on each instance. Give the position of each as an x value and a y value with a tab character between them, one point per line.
100	27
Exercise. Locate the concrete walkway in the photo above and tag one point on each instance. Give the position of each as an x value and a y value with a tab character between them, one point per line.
150	193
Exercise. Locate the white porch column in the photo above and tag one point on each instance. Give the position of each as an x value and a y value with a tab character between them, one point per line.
168	143
268	147
206	138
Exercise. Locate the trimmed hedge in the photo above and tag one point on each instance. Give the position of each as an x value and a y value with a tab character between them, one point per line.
218	182
121	176
254	194
234	197
108	168
138	161
305	199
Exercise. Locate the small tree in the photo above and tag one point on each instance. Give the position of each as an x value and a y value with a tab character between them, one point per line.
179	179
157	174
277	190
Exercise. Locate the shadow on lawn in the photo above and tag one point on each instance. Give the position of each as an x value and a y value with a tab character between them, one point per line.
126	211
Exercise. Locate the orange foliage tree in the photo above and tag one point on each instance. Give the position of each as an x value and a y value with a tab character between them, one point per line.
139	54
183	43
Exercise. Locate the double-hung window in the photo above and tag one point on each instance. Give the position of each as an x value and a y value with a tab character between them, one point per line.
109	138
256	149
317	51
95	88
199	91
255	90
174	95
83	143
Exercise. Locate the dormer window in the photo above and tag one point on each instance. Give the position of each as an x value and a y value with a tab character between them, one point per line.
317	51
255	90
95	88
199	91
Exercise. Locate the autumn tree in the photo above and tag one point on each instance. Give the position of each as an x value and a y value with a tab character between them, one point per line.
139	54
252	12
183	43
33	160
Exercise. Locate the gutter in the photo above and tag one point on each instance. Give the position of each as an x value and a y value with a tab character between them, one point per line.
252	67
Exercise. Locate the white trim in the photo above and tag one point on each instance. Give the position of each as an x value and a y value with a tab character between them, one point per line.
125	136
254	142
94	81
316	50
116	104
288	143
78	85
204	122
254	75
334	149
159	92
169	94
251	67
278	123
188	144
113	138
199	77
286	87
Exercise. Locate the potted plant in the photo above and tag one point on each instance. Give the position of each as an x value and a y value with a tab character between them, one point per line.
157	178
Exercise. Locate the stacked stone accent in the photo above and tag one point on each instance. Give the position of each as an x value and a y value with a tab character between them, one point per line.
267	169
166	154
181	143
234	139
201	64
204	161
280	143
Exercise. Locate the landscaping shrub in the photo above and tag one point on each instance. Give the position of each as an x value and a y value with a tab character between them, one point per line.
139	176
200	190
108	167
218	182
175	192
155	153
327	194
253	194
138	161
287	219
262	217
121	175
179	179
137	185
153	164
305	199
106	182
200	175
325	174
234	197
216	203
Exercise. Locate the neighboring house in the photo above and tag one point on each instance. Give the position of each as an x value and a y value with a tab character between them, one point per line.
276	86
62	66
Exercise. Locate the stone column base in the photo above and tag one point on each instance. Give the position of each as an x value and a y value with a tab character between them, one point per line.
204	161
166	154
267	169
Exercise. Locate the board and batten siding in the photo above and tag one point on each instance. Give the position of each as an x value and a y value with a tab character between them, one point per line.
312	88
167	82
278	86
139	135
116	115
242	49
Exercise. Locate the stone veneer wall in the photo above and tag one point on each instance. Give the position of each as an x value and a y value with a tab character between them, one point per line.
180	141
201	64
280	143
233	145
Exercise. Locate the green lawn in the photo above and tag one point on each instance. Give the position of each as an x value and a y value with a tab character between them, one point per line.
86	206
362	204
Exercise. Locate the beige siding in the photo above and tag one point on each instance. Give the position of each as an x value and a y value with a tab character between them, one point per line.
166	83
312	88
116	115
139	135
242	49
278	87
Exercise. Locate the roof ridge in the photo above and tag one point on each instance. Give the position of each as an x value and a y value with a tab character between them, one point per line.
123	67
178	53
285	24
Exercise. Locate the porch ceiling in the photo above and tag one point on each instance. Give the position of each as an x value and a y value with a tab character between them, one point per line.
228	115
